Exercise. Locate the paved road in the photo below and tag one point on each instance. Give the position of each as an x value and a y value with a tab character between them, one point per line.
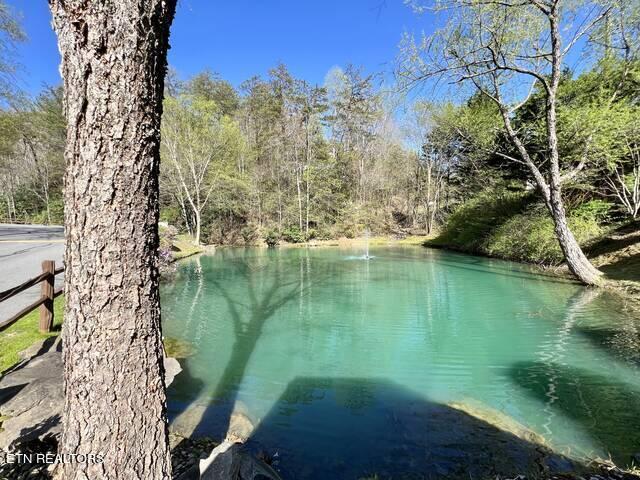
22	250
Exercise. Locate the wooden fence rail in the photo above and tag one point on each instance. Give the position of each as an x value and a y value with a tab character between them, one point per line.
45	302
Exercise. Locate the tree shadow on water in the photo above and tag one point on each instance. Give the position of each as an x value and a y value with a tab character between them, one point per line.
605	408
268	288
352	428
622	343
618	337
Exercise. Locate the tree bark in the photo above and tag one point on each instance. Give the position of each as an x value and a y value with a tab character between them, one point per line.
577	261
196	238
113	66
299	193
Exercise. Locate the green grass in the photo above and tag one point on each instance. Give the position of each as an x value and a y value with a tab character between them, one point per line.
186	248
24	333
470	226
515	226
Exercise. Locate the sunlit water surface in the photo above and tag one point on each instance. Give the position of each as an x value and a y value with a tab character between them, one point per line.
348	366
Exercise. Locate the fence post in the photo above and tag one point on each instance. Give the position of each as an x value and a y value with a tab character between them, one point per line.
46	309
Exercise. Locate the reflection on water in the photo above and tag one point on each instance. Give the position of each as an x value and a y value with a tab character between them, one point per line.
343	365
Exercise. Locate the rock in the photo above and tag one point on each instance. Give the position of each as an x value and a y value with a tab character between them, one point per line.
177	348
171	369
32	397
49	344
187	421
229	461
240	425
186	453
499	420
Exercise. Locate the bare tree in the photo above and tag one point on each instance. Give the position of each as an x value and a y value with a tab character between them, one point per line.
497	45
355	115
626	186
113	66
432	161
194	144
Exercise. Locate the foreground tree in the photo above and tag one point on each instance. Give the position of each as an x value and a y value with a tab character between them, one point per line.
113	65
496	47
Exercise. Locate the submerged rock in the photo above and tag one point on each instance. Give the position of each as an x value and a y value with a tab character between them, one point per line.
229	461
499	420
188	420
240	426
177	348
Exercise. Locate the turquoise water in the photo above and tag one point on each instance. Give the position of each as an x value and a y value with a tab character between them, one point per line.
347	367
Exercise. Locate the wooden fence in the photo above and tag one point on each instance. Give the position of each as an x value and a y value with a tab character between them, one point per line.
45	302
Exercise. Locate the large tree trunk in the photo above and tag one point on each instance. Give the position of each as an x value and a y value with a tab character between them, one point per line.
113	65
577	261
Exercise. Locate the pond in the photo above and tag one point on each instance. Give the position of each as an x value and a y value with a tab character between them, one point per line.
415	361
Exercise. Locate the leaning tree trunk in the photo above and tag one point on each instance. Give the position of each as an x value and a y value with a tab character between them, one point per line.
577	261
113	65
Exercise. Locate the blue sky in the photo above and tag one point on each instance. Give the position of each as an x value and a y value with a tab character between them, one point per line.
241	38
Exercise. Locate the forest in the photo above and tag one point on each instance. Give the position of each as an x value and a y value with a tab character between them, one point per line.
278	159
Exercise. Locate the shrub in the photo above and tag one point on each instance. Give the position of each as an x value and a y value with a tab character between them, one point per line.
598	210
56	210
531	237
272	237
170	215
526	237
249	234
293	235
168	236
56	213
515	225
472	223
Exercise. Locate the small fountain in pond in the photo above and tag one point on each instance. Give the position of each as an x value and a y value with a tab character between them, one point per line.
366	235
366	239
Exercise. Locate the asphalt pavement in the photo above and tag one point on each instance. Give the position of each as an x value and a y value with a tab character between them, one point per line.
22	250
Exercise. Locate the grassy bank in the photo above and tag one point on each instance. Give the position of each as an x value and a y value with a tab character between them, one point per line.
184	247
516	226
24	333
376	241
513	225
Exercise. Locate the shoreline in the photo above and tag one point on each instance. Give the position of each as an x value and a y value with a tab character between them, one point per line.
627	289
